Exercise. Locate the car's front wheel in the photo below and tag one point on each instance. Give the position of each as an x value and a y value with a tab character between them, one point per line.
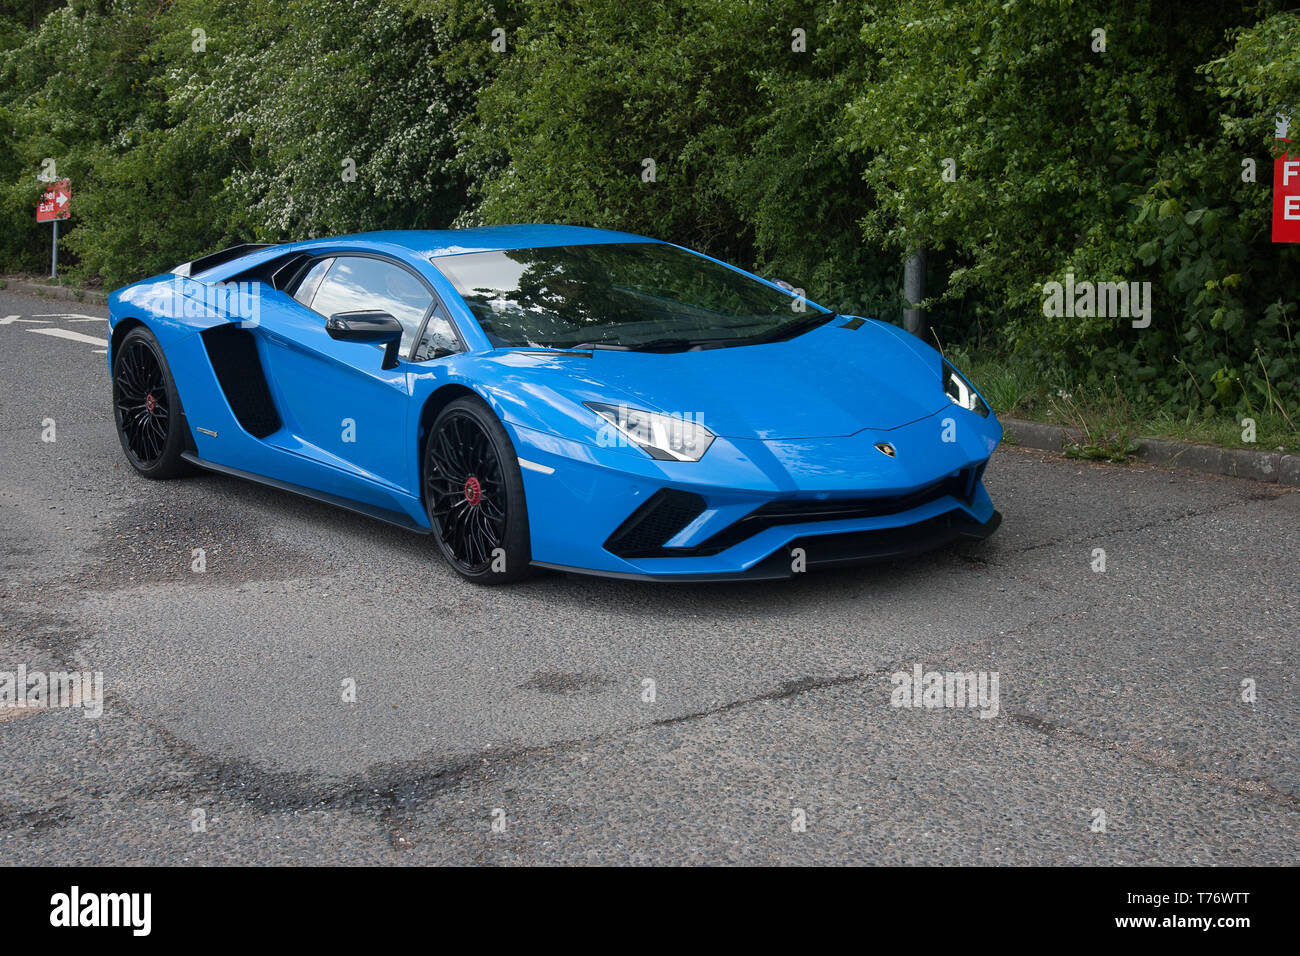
146	407
474	494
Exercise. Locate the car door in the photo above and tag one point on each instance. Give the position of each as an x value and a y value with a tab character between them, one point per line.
343	407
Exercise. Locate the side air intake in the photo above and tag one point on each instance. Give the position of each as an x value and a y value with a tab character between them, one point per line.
233	353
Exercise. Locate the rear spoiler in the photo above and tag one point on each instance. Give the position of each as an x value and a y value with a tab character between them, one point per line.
211	261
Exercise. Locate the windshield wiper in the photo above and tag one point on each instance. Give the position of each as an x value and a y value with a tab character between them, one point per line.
790	329
668	344
649	344
805	323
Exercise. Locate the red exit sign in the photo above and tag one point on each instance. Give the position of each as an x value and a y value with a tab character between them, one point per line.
1286	198
56	203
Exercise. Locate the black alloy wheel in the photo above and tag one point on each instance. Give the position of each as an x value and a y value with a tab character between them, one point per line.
146	408
474	493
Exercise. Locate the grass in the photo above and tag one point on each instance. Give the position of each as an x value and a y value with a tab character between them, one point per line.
47	286
1107	421
1103	422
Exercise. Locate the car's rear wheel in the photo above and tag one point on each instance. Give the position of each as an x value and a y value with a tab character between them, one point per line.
474	494
146	407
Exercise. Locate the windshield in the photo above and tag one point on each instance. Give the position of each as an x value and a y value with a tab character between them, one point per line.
631	295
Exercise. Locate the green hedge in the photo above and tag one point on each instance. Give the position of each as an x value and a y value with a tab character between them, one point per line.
806	140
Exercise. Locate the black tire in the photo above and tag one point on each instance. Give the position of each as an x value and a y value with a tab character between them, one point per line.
147	409
474	495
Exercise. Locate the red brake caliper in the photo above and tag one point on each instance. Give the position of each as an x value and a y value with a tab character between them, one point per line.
473	491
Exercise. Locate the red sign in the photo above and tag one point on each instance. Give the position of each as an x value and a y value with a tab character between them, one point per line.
56	203
1286	198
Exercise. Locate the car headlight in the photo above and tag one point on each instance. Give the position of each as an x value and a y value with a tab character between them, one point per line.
664	437
961	392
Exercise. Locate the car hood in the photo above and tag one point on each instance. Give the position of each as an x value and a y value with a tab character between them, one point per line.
828	382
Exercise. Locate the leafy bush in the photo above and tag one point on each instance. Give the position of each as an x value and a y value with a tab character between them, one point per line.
804	138
741	127
1122	165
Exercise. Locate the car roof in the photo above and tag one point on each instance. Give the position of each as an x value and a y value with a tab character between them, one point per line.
451	242
423	244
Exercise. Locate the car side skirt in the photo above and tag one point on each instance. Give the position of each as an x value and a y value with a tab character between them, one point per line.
371	511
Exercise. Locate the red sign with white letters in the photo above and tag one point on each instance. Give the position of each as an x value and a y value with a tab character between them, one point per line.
1286	198
56	203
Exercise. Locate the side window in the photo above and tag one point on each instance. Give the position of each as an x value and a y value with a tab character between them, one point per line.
309	283
359	283
439	335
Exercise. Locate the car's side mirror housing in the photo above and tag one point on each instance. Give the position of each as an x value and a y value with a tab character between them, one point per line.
377	328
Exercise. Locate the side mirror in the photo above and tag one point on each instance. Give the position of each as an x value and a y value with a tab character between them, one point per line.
378	328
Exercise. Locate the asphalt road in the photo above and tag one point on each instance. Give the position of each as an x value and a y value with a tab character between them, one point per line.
1119	691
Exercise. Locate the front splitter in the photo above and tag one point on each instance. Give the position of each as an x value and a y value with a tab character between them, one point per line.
820	551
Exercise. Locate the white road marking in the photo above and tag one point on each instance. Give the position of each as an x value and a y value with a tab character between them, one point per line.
80	316
11	319
72	336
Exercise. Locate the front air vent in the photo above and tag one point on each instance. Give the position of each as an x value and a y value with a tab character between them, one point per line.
651	526
233	353
655	522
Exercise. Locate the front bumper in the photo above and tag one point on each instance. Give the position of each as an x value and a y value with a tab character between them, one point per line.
837	550
755	509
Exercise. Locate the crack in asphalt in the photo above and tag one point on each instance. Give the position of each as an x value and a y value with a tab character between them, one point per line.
1255	788
392	791
991	557
395	790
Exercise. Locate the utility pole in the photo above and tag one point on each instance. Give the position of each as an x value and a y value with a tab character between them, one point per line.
914	292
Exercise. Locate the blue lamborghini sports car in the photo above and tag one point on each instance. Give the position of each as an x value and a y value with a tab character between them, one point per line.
554	396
